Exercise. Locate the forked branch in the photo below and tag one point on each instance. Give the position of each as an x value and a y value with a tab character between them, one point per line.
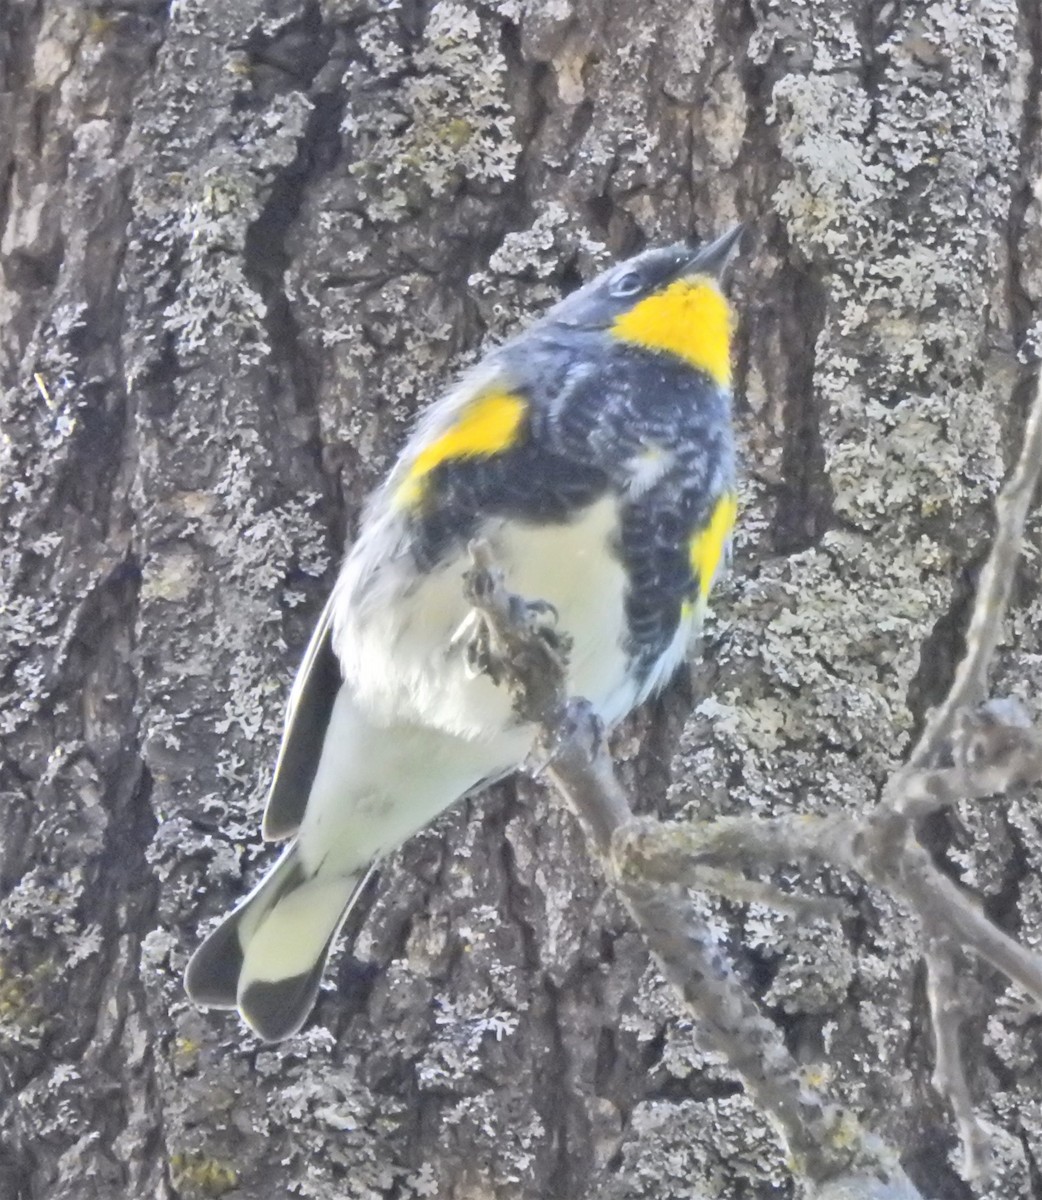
971	748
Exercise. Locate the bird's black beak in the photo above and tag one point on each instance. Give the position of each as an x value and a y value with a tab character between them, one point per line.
713	259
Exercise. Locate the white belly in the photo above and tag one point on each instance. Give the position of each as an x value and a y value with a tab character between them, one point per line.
574	568
398	652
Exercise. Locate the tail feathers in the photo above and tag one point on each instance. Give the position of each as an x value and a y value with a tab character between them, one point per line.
212	975
286	954
266	958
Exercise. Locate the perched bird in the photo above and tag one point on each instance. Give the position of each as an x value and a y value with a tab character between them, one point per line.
594	454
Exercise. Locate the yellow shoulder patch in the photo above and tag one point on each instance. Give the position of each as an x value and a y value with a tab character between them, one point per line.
488	425
691	319
707	545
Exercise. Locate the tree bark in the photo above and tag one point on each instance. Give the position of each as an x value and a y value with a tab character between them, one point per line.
241	245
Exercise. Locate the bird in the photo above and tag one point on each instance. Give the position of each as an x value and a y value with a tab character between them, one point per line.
594	454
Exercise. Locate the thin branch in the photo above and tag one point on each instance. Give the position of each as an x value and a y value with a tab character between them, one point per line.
875	847
675	851
822	1140
970	685
949	1076
939	903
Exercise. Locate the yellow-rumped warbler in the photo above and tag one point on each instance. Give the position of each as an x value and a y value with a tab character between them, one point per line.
594	452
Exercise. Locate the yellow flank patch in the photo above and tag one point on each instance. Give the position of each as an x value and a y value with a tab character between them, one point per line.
708	543
486	426
691	318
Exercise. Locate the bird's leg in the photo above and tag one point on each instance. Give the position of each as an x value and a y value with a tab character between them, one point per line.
514	639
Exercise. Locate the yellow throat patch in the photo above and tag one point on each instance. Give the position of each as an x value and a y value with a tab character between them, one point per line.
487	425
691	319
707	545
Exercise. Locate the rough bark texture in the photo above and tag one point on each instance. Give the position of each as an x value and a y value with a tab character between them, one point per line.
242	244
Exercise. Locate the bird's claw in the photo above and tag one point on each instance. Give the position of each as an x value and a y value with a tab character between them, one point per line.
538	617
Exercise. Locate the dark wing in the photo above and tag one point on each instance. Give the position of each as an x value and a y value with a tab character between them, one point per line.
307	716
536	478
673	525
658	571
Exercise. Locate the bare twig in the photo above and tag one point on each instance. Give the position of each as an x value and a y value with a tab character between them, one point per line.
949	1076
875	848
970	685
675	851
939	903
994	749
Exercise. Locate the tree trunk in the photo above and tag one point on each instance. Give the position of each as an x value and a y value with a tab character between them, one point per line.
242	244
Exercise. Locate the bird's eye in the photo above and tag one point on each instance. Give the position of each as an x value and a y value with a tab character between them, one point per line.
628	284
